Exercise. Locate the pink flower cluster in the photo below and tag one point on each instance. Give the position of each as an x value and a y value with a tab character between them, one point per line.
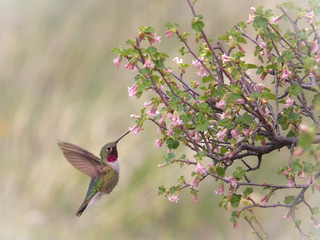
133	91
200	169
173	198
220	189
289	103
153	38
199	64
285	73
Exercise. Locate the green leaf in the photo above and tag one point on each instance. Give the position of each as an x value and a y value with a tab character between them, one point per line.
234	217
202	123
239	173
316	100
261	22
296	90
172	144
169	158
161	190
305	140
244	119
289	199
251	66
271	96
235	200
241	39
197	23
207	79
220	171
283	121
247	192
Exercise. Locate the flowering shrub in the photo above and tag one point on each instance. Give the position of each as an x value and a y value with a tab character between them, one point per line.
233	109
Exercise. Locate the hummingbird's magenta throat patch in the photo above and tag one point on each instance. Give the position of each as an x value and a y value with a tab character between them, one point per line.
112	158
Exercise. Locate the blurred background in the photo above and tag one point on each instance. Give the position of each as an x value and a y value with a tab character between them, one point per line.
57	81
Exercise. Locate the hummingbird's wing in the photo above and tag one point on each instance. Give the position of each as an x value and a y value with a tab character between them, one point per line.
81	159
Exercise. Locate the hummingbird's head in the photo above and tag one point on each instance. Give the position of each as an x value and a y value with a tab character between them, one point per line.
109	151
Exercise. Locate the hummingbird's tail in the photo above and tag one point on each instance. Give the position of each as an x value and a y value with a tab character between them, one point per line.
88	203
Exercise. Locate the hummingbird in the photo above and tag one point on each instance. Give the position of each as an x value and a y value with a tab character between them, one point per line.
104	171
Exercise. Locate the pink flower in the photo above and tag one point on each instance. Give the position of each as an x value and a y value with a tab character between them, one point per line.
285	73
260	87
240	101
221	104
196	136
310	17
315	47
203	72
310	180
173	198
225	58
235	225
286	216
253	9
222	134
251	18
247	132
153	38
117	61
130	65
289	103
135	129
318	57
298	152
195	183
301	175
176	120
199	169
220	189
266	198
198	64
134	116
195	197
153	112
275	19
290	182
316	223
162	118
133	91
232	181
158	143
147	104
234	133
169	33
177	60
148	64
170	132
263	45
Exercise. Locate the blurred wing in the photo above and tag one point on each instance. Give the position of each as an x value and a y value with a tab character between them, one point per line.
81	159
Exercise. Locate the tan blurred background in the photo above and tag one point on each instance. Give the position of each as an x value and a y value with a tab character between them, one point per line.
57	81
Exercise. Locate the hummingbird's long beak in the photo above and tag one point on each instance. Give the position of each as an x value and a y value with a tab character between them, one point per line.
122	136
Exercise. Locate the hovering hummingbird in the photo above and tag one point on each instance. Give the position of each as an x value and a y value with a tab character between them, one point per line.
104	171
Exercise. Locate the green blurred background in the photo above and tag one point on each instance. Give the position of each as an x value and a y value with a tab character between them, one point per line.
57	81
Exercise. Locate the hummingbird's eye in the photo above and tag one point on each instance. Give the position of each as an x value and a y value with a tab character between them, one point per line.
108	149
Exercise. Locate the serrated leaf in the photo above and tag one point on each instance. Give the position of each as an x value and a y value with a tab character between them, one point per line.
172	144
247	192
271	96
197	24
235	200
220	171
288	199
296	90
